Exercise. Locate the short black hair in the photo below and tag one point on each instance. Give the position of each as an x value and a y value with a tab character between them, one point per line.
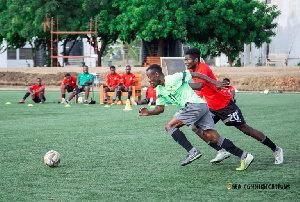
112	67
39	78
67	74
155	68
193	53
85	66
226	79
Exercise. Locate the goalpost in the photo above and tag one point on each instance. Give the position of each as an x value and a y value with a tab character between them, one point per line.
171	65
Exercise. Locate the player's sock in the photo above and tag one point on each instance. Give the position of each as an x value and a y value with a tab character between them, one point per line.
26	95
180	138
63	95
119	94
230	147
266	141
129	94
216	147
105	99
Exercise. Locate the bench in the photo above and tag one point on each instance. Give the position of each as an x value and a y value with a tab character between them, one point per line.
274	58
152	60
136	91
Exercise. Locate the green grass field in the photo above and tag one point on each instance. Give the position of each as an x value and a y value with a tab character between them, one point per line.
113	155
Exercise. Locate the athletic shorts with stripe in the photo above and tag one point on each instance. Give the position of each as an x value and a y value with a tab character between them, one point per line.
196	114
231	115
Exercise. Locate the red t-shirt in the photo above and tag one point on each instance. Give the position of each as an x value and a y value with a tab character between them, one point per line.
226	92
36	88
113	80
71	83
151	92
214	98
128	80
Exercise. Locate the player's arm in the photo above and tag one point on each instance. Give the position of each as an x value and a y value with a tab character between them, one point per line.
30	91
217	84
156	111
196	86
40	90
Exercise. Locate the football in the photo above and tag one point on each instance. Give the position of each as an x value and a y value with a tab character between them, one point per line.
266	92
52	158
80	100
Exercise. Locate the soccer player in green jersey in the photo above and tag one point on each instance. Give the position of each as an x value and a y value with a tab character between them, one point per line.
193	113
84	81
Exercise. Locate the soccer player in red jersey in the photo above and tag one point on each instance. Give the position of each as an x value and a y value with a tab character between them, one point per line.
37	92
150	97
127	81
222	108
69	84
228	91
112	83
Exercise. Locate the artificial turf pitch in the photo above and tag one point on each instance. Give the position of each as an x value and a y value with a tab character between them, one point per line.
109	154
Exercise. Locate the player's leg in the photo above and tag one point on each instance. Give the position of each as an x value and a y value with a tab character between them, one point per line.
119	91
24	98
105	90
42	97
86	94
231	115
73	94
172	127
63	92
115	89
206	125
129	89
142	102
258	135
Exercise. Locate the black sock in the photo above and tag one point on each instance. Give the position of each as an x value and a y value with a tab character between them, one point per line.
26	95
180	138
129	94
63	95
105	99
230	147
119	94
266	141
214	146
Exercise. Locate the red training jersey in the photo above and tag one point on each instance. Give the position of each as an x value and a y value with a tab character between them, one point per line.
128	80
226	92
214	98
36	88
151	93
71	83
113	80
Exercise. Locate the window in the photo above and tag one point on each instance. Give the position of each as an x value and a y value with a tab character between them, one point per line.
25	54
11	54
268	1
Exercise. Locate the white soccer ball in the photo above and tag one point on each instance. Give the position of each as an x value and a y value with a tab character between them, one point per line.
52	158
80	99
266	92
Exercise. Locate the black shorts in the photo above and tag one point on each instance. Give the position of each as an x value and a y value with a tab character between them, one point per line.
231	115
70	89
80	90
36	99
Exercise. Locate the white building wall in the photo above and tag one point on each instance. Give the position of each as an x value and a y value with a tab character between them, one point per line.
287	37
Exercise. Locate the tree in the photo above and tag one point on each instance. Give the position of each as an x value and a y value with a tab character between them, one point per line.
153	20
106	12
21	21
229	24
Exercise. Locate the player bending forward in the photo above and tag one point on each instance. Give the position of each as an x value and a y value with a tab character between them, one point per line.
193	113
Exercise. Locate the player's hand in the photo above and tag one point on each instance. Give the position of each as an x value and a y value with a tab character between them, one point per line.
85	82
143	111
79	86
220	84
111	88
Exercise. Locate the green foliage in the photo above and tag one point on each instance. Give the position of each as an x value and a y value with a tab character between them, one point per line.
135	159
231	24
